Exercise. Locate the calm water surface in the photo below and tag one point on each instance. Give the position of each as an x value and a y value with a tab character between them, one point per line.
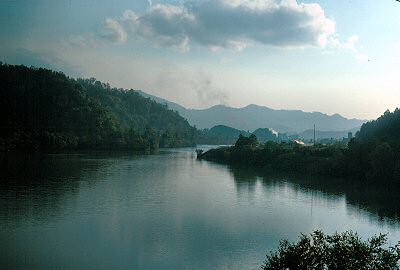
166	211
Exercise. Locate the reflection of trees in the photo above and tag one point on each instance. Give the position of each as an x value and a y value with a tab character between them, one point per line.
382	202
36	186
245	180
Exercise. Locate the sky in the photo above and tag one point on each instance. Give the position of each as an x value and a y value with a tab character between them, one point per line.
329	56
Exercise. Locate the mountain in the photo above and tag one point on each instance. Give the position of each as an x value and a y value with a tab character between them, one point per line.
45	110
266	134
253	116
226	131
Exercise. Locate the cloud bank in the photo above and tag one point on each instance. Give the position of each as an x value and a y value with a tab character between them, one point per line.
226	24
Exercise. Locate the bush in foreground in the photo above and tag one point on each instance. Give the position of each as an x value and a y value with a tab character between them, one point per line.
337	251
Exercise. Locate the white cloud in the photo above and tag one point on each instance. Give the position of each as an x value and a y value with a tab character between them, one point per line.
164	26
113	31
228	24
130	16
351	45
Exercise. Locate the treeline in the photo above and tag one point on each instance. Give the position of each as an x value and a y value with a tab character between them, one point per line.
45	110
373	155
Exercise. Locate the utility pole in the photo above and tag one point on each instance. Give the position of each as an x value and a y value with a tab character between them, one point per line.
314	134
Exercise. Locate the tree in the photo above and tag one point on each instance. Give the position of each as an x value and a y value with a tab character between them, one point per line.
244	141
319	251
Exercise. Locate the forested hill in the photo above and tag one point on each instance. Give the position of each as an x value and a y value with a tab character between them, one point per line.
384	129
43	109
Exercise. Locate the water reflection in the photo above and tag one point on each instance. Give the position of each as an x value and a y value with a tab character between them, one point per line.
35	187
246	181
162	211
380	202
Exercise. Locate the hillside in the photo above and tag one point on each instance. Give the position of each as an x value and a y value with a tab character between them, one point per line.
137	113
171	105
43	109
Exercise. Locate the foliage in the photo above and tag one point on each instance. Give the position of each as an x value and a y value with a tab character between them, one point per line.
338	251
43	109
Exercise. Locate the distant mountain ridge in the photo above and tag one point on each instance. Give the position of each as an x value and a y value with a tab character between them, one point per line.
254	116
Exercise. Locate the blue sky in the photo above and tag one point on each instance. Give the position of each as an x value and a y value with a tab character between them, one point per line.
330	56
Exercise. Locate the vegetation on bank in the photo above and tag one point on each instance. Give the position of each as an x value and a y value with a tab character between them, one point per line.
347	250
45	110
373	155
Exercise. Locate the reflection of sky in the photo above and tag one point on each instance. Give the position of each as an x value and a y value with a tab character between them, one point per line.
170	211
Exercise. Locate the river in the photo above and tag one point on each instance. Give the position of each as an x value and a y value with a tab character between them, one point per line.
167	211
